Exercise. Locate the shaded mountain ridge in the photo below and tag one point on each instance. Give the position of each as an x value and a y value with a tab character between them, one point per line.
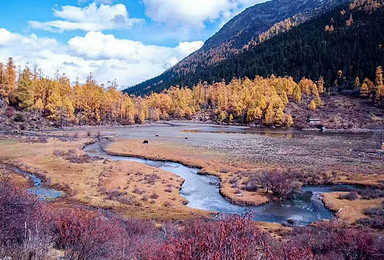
254	25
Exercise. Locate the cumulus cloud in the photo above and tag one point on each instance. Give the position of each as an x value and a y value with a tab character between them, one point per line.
93	17
96	45
132	60
97	1
194	13
107	57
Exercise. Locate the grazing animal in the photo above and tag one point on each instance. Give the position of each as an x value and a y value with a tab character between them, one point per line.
145	142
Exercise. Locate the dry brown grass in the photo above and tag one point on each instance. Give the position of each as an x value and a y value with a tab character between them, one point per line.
132	189
349	210
231	174
16	179
100	183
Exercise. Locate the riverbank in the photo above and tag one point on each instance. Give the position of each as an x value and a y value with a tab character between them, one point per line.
98	183
234	156
231	154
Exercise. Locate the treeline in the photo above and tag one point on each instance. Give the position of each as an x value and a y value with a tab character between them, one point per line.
32	229
348	38
241	100
261	101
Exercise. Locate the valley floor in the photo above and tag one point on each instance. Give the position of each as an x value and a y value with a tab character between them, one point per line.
234	154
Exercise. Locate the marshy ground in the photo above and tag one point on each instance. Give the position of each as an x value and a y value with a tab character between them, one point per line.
234	154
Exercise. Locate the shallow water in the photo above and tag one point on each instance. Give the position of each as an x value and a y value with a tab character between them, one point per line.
202	192
277	133
38	189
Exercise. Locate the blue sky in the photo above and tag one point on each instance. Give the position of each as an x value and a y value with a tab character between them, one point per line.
127	40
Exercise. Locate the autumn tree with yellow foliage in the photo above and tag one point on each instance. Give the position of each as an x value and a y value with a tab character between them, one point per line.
259	101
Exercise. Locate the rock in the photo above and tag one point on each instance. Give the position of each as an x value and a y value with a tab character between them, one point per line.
291	221
146	142
107	161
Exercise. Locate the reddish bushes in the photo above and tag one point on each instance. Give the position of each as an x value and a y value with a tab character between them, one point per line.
376	218
233	237
368	194
23	231
18	213
85	234
332	241
280	184
88	234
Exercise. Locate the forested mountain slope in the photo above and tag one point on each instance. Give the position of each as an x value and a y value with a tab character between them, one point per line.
254	25
341	39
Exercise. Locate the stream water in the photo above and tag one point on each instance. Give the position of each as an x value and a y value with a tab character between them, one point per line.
202	192
38	188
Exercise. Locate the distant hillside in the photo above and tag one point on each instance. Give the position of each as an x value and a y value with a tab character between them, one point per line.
312	50
254	25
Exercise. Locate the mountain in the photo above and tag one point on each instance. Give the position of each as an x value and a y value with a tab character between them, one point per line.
267	19
341	39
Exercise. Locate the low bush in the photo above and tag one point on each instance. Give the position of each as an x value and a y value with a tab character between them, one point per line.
73	157
281	184
375	218
353	195
368	194
334	241
19	117
251	185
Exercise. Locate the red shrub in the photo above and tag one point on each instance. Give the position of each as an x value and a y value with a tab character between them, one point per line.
281	184
331	239
87	234
233	237
19	212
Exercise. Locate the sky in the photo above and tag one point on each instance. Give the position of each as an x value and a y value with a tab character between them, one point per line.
128	41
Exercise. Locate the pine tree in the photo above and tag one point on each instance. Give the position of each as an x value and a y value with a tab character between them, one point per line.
289	121
54	106
24	92
269	116
258	113
312	105
364	91
297	94
39	106
380	95
379	77
320	85
314	90
9	81
222	116
279	117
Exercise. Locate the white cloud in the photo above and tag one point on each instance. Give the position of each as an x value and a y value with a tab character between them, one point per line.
108	58
93	17
96	45
97	1
194	13
132	60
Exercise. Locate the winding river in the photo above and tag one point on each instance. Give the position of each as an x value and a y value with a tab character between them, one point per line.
202	192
